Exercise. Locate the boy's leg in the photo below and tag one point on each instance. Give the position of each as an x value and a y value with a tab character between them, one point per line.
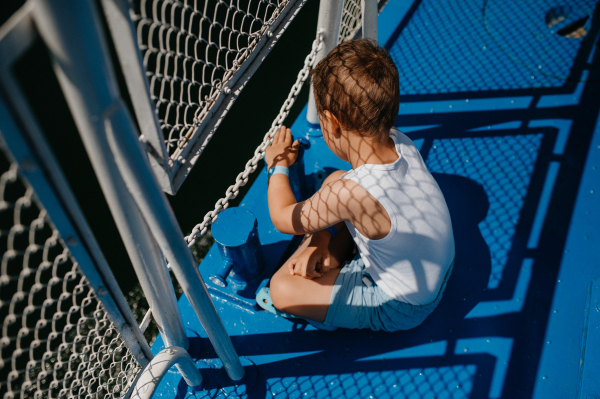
303	297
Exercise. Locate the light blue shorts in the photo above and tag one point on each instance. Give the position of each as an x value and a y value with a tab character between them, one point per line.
353	304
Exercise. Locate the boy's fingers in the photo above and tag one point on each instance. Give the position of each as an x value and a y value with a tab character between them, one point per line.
312	272
296	145
326	265
288	135
291	265
310	275
281	134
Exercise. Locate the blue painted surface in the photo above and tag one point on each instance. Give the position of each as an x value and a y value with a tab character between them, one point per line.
571	338
236	236
589	378
518	161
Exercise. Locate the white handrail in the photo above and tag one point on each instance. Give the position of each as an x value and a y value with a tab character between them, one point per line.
330	15
154	372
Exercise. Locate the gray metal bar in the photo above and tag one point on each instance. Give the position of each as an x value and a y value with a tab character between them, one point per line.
159	366
369	19
330	15
71	34
123	35
109	137
166	230
17	34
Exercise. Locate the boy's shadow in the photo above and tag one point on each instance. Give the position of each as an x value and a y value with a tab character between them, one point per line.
468	204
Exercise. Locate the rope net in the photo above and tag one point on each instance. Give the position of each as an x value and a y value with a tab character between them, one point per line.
190	50
57	340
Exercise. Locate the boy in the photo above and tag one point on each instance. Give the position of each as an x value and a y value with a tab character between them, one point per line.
388	203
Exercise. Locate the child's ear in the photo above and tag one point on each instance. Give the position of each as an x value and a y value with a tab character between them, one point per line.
333	122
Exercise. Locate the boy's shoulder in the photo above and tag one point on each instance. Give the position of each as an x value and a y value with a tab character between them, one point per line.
349	195
344	188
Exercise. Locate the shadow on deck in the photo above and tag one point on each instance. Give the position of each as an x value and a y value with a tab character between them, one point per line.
509	153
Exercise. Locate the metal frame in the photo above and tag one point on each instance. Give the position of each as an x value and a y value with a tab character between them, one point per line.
154	372
369	18
172	172
130	59
23	137
330	15
139	207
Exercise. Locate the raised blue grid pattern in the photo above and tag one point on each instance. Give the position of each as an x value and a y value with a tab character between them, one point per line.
446	48
503	166
519	29
452	382
504	344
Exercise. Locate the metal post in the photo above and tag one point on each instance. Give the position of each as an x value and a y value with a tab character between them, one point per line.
124	39
89	88
153	204
330	16
369	19
80	61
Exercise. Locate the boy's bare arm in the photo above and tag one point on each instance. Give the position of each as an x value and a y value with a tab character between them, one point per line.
322	210
282	152
335	202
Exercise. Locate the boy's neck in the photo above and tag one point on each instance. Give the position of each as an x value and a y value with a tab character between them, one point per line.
369	150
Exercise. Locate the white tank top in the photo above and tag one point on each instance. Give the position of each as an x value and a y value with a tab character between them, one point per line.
410	263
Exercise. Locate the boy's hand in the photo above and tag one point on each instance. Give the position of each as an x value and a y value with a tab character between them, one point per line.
313	262
282	152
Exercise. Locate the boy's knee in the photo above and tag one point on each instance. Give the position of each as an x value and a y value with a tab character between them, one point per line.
281	288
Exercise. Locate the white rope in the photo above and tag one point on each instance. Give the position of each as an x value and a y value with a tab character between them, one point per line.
242	178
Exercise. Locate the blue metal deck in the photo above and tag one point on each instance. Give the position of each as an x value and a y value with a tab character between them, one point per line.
506	114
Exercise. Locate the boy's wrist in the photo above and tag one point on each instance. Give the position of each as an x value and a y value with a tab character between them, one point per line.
278	163
277	170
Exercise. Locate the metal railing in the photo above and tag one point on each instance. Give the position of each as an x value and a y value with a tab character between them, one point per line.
145	221
66	327
185	63
140	209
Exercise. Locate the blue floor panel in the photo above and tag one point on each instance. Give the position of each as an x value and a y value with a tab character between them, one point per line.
505	112
572	338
